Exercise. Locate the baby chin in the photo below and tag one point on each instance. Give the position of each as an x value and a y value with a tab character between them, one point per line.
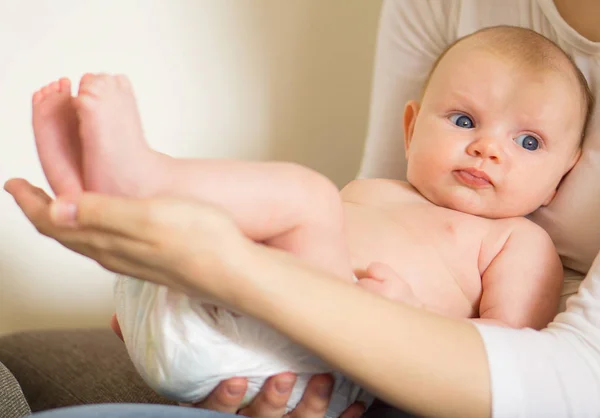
467	200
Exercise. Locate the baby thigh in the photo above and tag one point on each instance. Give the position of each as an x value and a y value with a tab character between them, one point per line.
318	233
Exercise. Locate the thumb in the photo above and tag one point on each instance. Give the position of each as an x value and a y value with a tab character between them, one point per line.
381	272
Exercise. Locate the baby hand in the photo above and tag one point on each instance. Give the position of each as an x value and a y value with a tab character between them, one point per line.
381	279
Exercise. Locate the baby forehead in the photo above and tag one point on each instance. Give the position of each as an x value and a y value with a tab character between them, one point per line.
488	86
522	58
523	45
497	92
499	71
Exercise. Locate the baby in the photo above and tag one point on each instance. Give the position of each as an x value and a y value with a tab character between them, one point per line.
499	124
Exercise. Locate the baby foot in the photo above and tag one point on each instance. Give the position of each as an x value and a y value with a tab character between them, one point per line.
116	158
56	137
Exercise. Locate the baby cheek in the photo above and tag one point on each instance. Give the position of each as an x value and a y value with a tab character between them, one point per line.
423	168
528	188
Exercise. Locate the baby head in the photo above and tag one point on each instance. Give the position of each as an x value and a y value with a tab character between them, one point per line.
500	123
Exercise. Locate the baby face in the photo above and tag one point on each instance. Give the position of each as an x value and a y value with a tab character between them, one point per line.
492	137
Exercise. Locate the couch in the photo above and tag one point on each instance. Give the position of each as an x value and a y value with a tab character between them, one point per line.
42	370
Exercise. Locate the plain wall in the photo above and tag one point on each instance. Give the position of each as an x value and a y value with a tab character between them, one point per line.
252	79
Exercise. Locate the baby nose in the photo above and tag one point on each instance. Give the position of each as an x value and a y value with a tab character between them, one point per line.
485	148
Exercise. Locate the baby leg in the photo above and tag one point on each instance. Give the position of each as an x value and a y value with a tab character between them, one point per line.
284	205
115	156
56	137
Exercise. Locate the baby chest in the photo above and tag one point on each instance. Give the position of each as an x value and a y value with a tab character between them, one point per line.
418	239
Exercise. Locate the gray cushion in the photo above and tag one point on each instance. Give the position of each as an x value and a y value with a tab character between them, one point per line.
12	401
73	367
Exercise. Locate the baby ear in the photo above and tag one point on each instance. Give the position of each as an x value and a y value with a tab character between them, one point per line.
411	110
575	159
549	198
570	166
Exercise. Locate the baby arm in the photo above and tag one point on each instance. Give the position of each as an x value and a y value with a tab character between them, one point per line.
382	280
521	286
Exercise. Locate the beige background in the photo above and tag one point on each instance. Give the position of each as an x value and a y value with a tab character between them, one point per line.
256	79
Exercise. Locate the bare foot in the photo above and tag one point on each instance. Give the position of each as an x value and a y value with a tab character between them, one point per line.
56	137
116	157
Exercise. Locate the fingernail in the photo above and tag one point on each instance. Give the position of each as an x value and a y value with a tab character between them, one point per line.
285	385
324	390
236	389
64	213
357	414
359	411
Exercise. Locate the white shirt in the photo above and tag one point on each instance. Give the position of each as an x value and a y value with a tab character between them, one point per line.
556	372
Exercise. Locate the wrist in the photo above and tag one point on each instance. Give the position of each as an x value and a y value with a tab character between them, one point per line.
249	274
263	282
224	274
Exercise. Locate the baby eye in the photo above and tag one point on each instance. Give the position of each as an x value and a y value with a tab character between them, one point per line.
528	142
462	121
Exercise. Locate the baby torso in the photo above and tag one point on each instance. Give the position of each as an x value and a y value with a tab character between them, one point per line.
439	252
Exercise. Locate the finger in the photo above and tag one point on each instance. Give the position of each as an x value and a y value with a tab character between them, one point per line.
117	254
226	397
32	201
356	410
315	401
35	205
136	267
139	219
19	186
371	285
113	214
143	219
271	402
381	271
114	252
128	257
114	324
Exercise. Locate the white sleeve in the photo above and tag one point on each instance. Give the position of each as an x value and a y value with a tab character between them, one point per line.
554	372
412	34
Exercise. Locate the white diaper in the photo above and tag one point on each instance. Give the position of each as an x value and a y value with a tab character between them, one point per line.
183	348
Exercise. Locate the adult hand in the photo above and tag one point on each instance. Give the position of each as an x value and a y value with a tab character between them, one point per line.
166	241
273	397
114	325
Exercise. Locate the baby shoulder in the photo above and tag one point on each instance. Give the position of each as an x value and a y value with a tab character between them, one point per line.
522	229
522	241
528	240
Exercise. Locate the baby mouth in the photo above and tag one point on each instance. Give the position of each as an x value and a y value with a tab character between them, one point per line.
473	178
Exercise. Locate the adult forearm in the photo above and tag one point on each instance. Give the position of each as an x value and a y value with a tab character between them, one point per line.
429	364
